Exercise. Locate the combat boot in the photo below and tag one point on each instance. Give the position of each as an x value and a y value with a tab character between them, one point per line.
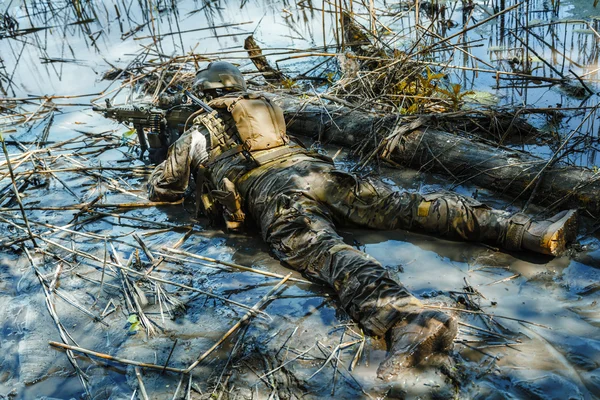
418	335
548	236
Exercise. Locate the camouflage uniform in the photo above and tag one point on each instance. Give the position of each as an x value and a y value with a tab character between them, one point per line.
241	156
298	200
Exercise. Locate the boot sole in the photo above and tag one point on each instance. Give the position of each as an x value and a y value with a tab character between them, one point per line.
565	231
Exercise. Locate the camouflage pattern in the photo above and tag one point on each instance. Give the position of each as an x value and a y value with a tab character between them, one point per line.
169	180
298	201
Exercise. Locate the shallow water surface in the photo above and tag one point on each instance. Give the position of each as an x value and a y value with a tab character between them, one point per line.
544	340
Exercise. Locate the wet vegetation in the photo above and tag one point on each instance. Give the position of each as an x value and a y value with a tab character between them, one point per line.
104	294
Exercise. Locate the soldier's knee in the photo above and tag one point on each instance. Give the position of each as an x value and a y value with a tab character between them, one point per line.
431	213
450	215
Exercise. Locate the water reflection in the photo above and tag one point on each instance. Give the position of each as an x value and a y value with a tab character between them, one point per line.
50	47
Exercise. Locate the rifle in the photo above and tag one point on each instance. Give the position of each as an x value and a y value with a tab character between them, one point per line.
198	102
157	128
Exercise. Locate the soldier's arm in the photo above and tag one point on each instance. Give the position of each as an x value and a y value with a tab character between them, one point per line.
170	179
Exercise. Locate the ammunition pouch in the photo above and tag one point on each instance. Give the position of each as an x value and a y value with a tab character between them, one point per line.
265	157
216	204
231	201
205	203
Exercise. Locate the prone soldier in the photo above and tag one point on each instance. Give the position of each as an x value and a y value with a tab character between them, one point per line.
244	163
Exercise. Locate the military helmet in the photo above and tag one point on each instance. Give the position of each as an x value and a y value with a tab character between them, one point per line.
219	75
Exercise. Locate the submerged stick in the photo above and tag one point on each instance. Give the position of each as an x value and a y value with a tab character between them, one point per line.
484	313
138	375
245	318
16	191
337	348
64	335
231	265
150	277
89	206
161	35
169	356
503	280
286	363
112	358
488	332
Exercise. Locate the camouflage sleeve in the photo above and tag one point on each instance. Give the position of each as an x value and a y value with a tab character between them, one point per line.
170	179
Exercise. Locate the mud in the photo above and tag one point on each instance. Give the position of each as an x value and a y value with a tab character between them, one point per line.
307	346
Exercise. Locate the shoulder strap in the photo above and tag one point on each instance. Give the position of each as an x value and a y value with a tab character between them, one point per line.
220	130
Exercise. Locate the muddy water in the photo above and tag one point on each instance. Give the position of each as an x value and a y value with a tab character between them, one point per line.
551	352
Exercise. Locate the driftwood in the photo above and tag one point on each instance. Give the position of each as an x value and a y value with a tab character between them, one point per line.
464	160
409	142
260	62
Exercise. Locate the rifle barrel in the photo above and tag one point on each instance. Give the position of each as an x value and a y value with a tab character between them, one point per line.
198	102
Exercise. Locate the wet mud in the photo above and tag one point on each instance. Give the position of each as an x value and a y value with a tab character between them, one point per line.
540	339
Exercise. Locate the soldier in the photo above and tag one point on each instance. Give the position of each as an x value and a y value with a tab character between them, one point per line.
243	161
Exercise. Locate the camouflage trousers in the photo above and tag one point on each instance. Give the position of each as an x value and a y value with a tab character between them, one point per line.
298	203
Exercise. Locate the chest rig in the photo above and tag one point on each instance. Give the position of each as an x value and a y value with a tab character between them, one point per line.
246	131
255	125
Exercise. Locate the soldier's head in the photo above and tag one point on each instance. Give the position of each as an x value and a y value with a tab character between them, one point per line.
219	78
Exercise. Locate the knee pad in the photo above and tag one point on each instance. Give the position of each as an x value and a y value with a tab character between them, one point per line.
450	215
432	213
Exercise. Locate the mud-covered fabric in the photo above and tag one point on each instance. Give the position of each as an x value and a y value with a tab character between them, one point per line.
454	216
170	179
298	201
296	218
298	204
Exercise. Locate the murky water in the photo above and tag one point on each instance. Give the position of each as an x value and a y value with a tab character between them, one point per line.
280	355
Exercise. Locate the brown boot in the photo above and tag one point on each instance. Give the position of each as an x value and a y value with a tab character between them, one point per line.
416	337
551	235
548	236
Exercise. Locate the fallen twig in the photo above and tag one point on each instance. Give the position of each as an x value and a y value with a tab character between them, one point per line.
115	359
245	318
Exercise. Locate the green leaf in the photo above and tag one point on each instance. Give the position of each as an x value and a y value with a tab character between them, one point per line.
483	98
134	327
133	319
135	323
129	133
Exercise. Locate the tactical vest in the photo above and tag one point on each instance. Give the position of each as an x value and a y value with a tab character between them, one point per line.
246	131
256	124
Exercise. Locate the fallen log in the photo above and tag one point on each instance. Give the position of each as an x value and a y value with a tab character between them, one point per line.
464	160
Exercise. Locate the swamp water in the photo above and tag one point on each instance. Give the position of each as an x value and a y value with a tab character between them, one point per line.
306	346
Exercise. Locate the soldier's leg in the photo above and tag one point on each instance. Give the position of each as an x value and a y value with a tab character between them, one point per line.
462	217
285	204
301	233
371	203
